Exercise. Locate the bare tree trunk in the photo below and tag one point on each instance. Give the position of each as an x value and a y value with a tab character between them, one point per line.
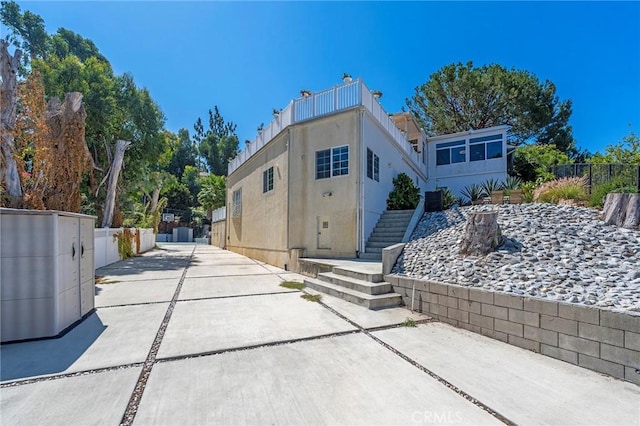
622	210
8	97
114	173
481	235
155	197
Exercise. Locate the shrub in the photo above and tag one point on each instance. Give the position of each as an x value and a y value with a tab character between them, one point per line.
473	192
572	188
599	192
527	191
405	195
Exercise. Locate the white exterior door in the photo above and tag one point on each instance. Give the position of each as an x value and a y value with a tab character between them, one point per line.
324	232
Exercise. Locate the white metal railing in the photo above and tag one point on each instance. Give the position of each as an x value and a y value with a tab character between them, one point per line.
337	98
219	214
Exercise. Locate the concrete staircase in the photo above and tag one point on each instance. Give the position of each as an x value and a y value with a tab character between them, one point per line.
356	286
389	230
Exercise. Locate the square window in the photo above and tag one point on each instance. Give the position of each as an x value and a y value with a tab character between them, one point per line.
458	154
443	157
494	150
476	152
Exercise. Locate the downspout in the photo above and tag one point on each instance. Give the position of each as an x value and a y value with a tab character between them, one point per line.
288	187
361	244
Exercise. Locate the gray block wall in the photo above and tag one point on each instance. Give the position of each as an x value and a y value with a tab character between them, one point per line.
593	338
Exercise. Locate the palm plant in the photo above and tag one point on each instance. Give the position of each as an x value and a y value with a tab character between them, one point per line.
512	182
473	192
491	185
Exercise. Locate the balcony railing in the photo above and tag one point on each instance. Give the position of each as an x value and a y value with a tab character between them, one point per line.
326	102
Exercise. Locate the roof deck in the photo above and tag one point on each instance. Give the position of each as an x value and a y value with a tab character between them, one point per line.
336	99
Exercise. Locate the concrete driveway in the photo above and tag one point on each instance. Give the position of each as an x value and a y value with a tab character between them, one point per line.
198	335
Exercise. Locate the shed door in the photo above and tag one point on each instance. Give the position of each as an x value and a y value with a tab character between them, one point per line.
324	232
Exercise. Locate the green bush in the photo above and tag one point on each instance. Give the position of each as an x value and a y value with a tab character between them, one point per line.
473	192
599	192
405	195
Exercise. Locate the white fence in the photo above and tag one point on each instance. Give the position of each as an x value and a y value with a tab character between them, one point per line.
106	244
328	101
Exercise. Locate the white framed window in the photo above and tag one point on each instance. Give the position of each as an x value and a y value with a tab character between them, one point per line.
267	180
451	152
332	162
485	148
373	165
236	203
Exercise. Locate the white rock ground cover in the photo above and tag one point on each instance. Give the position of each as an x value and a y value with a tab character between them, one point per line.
553	252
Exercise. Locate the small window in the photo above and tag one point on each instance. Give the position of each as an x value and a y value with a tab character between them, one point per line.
340	164
236	206
451	152
332	162
323	164
485	147
267	180
373	166
376	168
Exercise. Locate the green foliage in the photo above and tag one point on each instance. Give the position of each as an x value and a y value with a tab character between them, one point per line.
218	144
599	192
448	198
491	185
409	323
531	162
626	151
473	192
185	153
312	297
213	192
405	195
292	285
527	191
125	246
574	188
460	96
511	183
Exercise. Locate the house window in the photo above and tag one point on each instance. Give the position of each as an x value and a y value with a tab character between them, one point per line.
267	180
236	206
451	152
485	148
323	164
373	166
332	162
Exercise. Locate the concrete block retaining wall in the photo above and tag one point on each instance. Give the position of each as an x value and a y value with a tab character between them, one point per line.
597	339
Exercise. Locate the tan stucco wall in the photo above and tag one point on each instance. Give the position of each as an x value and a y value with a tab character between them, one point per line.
261	231
218	234
306	193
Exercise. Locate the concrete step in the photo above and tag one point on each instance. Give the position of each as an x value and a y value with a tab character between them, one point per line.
371	301
385	238
398	213
358	275
356	284
372	256
382	232
377	250
376	244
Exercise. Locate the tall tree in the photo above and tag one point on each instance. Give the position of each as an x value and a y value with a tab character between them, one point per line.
460	97
218	144
185	153
213	191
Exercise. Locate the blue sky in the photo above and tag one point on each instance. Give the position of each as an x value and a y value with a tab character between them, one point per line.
248	58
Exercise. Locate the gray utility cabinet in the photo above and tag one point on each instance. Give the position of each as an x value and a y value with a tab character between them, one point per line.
46	271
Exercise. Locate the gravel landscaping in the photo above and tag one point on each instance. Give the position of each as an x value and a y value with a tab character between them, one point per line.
555	252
